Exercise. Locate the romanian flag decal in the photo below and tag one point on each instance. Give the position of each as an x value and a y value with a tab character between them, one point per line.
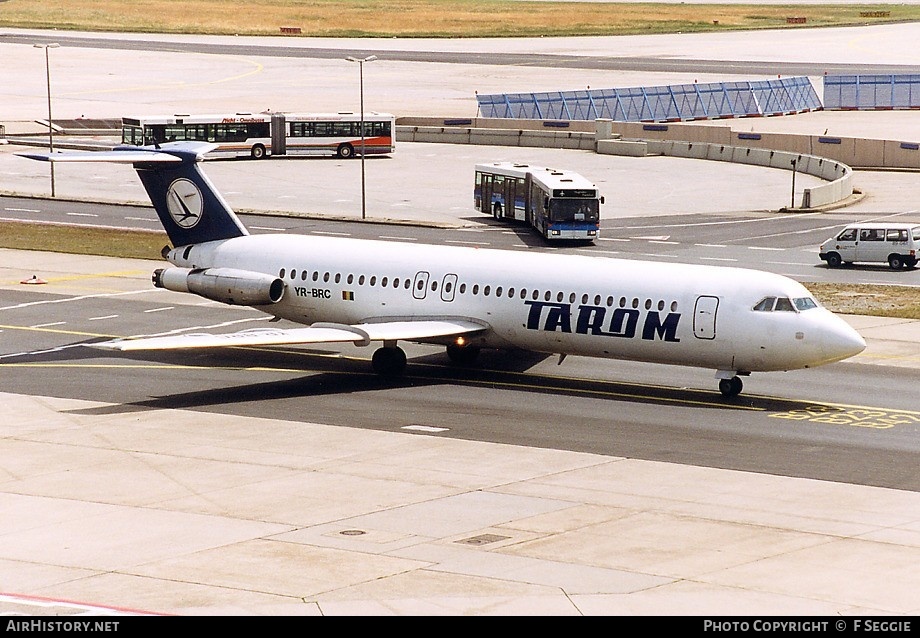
348	295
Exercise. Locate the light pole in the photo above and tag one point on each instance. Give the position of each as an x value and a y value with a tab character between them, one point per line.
361	62
52	45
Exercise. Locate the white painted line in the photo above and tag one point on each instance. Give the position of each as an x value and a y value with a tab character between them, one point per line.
23	210
718	259
423	428
399	238
611	239
140	219
475	243
711	245
83	215
661	241
764	248
265	228
328	232
160	309
48	325
99	318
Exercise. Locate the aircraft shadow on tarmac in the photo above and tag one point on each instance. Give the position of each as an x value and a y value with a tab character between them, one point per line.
330	373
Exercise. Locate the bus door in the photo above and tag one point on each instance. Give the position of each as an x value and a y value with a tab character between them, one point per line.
511	204
420	284
704	317
485	194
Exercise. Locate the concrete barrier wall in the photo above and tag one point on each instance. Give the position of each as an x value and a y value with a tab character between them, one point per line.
715	143
497	136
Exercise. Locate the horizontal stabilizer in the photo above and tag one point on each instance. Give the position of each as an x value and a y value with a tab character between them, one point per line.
128	154
118	157
360	334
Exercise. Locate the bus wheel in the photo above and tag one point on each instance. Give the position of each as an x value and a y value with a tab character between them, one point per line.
346	151
257	152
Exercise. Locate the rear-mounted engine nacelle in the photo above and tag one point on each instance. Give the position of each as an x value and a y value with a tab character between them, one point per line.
227	285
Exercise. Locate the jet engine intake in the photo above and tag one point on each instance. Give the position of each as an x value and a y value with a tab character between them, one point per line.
227	285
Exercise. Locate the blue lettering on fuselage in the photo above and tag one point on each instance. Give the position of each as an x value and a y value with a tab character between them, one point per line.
592	320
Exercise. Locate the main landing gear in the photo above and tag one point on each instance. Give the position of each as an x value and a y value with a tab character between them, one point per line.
730	387
389	361
463	355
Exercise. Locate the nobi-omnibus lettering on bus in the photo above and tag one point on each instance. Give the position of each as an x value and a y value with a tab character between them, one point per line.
259	135
558	204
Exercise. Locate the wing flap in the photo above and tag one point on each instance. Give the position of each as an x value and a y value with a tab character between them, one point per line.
361	334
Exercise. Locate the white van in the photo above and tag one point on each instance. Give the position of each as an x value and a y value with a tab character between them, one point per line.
897	244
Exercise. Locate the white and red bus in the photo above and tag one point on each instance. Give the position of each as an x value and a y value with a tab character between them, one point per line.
259	135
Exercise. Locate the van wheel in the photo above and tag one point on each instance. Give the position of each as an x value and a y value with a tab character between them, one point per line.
833	260
896	262
257	151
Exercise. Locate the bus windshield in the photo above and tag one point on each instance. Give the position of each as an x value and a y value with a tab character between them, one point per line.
577	210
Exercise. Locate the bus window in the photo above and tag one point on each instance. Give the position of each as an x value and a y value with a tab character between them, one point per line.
566	210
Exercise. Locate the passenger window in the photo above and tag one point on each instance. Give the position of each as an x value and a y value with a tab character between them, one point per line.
765	304
872	234
897	235
848	235
784	305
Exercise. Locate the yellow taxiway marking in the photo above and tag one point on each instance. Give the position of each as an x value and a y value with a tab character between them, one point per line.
851	416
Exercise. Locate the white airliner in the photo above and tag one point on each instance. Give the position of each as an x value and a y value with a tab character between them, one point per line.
733	320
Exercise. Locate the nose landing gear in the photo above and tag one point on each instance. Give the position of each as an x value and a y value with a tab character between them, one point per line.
730	387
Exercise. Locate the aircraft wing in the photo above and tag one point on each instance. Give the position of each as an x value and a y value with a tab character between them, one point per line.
360	334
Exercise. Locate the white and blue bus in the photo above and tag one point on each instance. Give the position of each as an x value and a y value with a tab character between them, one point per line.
558	204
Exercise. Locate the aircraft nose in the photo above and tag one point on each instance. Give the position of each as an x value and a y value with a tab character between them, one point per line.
841	341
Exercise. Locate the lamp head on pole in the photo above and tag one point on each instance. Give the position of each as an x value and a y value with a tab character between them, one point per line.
369	58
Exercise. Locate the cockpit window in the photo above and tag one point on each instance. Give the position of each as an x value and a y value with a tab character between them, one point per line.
784	305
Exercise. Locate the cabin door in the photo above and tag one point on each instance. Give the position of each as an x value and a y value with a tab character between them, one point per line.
704	317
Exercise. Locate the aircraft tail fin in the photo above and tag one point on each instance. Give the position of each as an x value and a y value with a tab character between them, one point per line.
190	208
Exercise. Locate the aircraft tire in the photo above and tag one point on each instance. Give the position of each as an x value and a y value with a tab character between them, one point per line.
463	355
731	387
389	362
